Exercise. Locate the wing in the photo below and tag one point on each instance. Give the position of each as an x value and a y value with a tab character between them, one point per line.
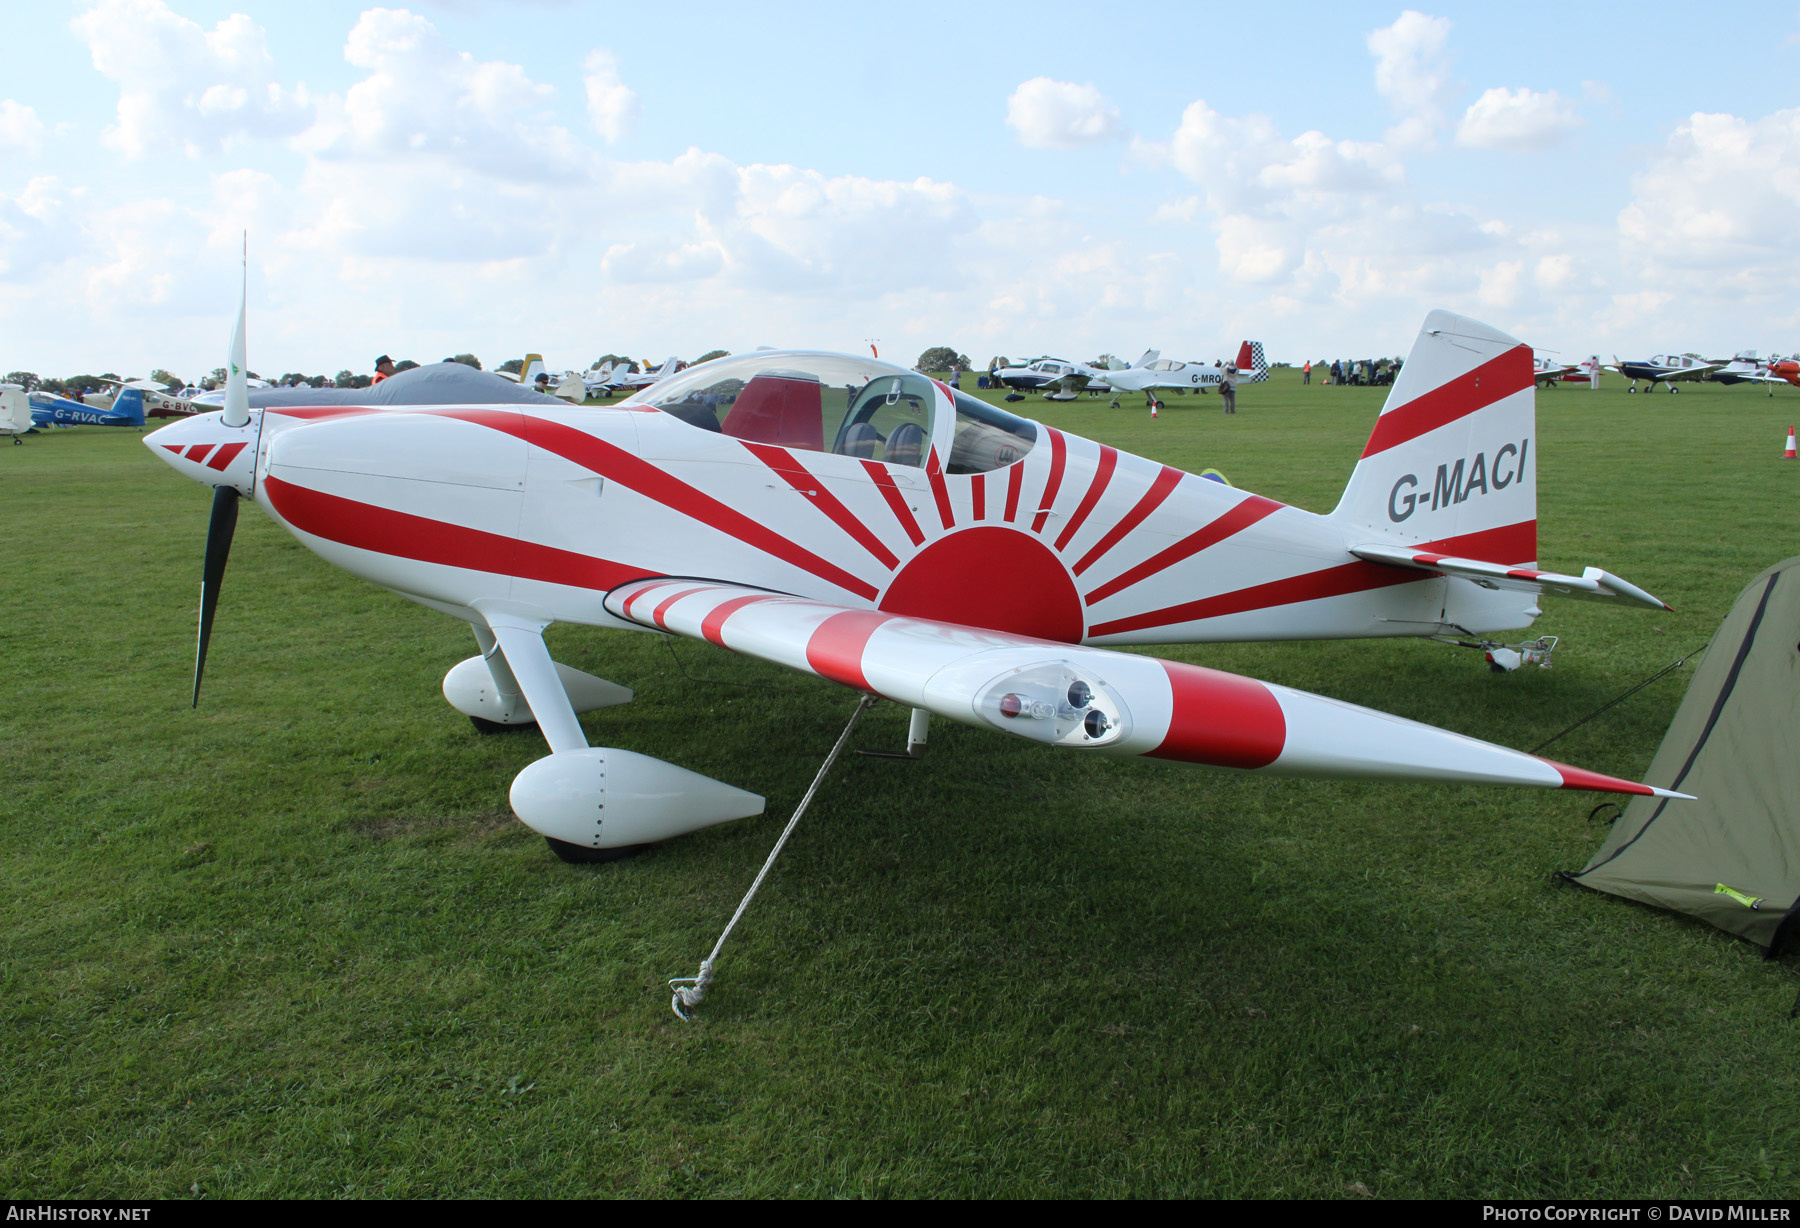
1083	698
1592	584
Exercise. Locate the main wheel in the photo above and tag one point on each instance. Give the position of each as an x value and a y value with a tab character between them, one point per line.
579	855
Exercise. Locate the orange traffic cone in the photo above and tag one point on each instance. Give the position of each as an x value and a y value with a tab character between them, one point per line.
1790	454
1153	408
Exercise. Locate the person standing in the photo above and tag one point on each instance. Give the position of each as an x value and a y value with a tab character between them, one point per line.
1306	372
384	367
1228	389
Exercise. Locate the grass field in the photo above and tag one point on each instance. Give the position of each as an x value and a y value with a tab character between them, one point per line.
294	944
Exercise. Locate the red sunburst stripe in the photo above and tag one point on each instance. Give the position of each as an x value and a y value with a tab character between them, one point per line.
198	452
225	455
1015	482
634	472
796	475
895	501
1252	509
712	627
1504	375
403	535
939	490
1109	460
1166	481
662	607
978	495
1336	581
1058	454
835	649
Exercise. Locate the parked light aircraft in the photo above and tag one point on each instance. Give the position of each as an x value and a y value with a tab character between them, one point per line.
1550	372
852	519
15	412
1787	369
1151	372
635	380
1745	367
1048	375
1663	369
126	409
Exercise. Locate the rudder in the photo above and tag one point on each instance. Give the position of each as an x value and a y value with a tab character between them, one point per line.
1452	458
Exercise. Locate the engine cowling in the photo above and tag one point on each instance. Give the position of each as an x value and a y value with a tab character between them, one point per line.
603	798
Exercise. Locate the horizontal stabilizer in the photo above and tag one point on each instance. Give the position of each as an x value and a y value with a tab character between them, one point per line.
1591	585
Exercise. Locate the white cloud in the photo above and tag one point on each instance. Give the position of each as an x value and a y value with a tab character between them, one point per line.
1048	114
612	105
1412	72
20	127
185	87
1714	212
421	98
1517	121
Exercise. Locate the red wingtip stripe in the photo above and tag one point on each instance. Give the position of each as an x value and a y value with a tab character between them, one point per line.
835	649
1221	719
662	607
712	627
1594	782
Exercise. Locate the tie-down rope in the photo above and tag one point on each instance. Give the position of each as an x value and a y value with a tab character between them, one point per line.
689	990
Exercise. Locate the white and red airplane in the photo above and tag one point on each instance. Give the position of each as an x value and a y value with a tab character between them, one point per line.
853	519
1549	372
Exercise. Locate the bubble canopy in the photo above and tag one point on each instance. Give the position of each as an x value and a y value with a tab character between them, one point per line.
839	403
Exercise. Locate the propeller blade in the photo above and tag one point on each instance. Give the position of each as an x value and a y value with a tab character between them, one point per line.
218	549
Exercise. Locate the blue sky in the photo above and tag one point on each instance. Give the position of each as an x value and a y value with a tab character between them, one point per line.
577	179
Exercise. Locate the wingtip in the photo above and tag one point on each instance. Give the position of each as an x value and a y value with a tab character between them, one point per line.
1596	782
1672	795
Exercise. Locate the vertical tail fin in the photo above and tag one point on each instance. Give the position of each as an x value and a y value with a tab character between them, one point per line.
1252	367
129	405
1451	461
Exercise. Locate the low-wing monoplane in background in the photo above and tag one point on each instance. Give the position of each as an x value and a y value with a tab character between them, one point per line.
1745	367
853	519
1785	369
1551	372
634	380
1152	372
1667	369
1057	378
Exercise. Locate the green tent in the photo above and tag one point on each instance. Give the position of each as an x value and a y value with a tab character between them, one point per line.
1731	858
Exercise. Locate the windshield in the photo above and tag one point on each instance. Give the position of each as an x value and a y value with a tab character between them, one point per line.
816	402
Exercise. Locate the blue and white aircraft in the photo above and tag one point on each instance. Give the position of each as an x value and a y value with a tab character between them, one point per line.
1663	369
127	409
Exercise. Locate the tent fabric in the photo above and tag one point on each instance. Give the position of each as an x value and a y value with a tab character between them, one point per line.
438	383
1732	857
